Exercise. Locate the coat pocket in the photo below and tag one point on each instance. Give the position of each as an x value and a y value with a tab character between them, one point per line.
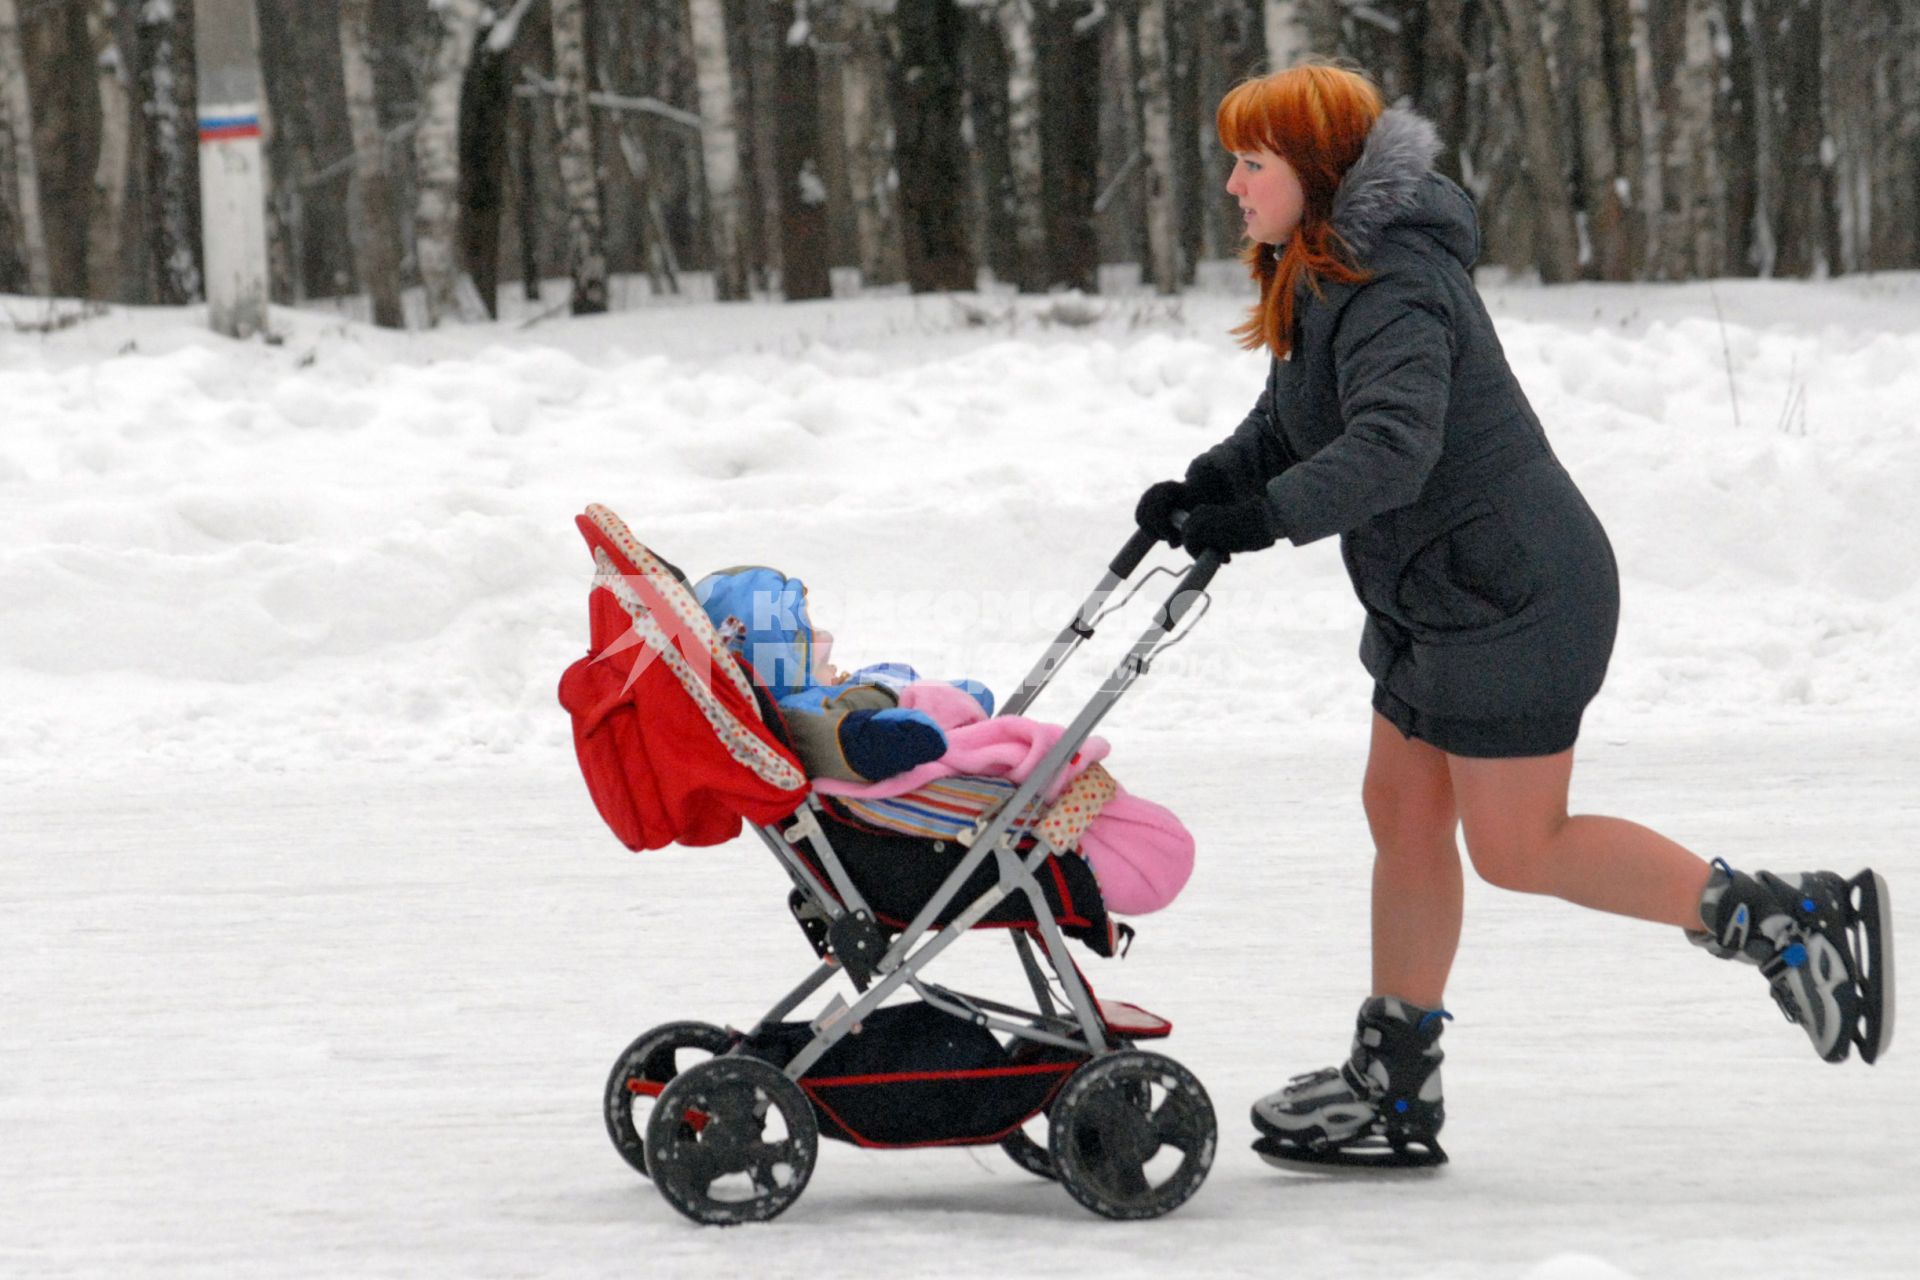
1470	577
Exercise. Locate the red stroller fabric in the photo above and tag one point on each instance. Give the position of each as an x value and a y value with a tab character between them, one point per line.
664	723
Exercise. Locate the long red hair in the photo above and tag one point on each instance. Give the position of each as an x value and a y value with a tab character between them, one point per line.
1316	117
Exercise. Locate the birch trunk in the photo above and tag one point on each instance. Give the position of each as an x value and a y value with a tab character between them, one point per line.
805	251
870	151
370	220
16	115
1557	250
765	37
586	236
1624	80
1023	143
1765	249
1118	207
1286	33
1694	158
994	230
171	167
485	144
1653	147
1846	40
1599	160
930	152
107	214
436	162
719	147
1163	232
1068	38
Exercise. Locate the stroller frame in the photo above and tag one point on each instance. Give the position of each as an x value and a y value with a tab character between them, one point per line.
1085	1030
722	1105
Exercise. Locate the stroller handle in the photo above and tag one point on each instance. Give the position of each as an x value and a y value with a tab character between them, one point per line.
1133	553
1192	584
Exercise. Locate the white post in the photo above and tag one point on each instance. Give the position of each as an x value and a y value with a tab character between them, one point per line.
233	201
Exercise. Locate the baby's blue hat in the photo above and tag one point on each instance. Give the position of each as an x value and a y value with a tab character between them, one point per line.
778	640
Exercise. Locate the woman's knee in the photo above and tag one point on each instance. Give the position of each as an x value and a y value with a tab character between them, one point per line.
1509	859
1409	815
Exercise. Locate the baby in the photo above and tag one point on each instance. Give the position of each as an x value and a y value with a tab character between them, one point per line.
846	727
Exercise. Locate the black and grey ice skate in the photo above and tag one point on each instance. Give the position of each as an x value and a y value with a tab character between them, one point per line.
1824	943
1381	1108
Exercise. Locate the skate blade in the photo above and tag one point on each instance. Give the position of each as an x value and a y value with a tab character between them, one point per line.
1875	920
1365	1153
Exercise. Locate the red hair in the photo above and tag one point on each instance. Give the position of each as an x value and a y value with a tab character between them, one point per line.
1316	117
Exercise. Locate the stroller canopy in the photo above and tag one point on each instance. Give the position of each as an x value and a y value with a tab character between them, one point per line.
665	725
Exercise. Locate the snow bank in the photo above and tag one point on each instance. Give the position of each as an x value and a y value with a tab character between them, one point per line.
355	544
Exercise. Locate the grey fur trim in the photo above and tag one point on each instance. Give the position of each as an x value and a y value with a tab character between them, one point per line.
1385	181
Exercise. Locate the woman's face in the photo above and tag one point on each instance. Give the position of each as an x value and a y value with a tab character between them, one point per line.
1269	194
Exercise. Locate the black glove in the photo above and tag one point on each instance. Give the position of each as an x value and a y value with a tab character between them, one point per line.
1208	482
1157	505
1224	528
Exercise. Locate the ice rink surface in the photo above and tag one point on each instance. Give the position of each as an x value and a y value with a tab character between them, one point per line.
358	1024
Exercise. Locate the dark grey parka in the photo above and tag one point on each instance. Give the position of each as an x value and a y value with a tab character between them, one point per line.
1489	586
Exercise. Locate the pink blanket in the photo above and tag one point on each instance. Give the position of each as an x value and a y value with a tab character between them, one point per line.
1003	747
1140	853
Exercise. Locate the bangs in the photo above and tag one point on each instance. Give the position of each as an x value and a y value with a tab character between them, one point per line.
1244	120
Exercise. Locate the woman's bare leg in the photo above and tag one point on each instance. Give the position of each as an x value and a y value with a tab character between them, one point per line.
1521	837
1416	866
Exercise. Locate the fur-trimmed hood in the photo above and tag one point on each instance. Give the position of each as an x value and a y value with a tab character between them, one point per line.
1393	184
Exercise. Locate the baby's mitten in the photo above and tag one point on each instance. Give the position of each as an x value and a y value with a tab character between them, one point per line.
880	744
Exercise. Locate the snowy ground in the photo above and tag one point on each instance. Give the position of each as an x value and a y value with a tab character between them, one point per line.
313	955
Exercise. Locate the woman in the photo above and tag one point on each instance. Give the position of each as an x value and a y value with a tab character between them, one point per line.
1390	417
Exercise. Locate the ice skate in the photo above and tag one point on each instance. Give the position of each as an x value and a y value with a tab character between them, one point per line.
1381	1108
1824	943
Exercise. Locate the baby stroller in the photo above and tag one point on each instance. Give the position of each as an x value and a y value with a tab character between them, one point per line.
679	743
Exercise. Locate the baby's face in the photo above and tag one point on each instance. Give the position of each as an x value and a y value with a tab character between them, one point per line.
823	670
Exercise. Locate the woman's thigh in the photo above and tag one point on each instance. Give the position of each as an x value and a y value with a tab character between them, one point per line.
1408	790
1510	810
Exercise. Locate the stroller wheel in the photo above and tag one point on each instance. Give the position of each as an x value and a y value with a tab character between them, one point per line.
646	1067
731	1141
1029	1155
1133	1135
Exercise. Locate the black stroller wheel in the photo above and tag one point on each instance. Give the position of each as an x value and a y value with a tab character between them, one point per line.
731	1141
646	1067
1029	1155
1133	1135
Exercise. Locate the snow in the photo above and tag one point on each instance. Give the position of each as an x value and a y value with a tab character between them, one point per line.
315	955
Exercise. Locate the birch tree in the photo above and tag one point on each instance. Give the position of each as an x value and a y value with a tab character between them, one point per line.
1163	230
1624	85
1286	33
932	160
1069	36
452	25
16	117
719	147
1599	160
370	220
1558	246
1693	161
804	241
869	129
107	211
1023	142
586	239
485	138
1653	187
170	161
1763	249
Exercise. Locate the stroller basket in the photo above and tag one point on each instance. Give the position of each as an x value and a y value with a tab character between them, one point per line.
917	1076
679	743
